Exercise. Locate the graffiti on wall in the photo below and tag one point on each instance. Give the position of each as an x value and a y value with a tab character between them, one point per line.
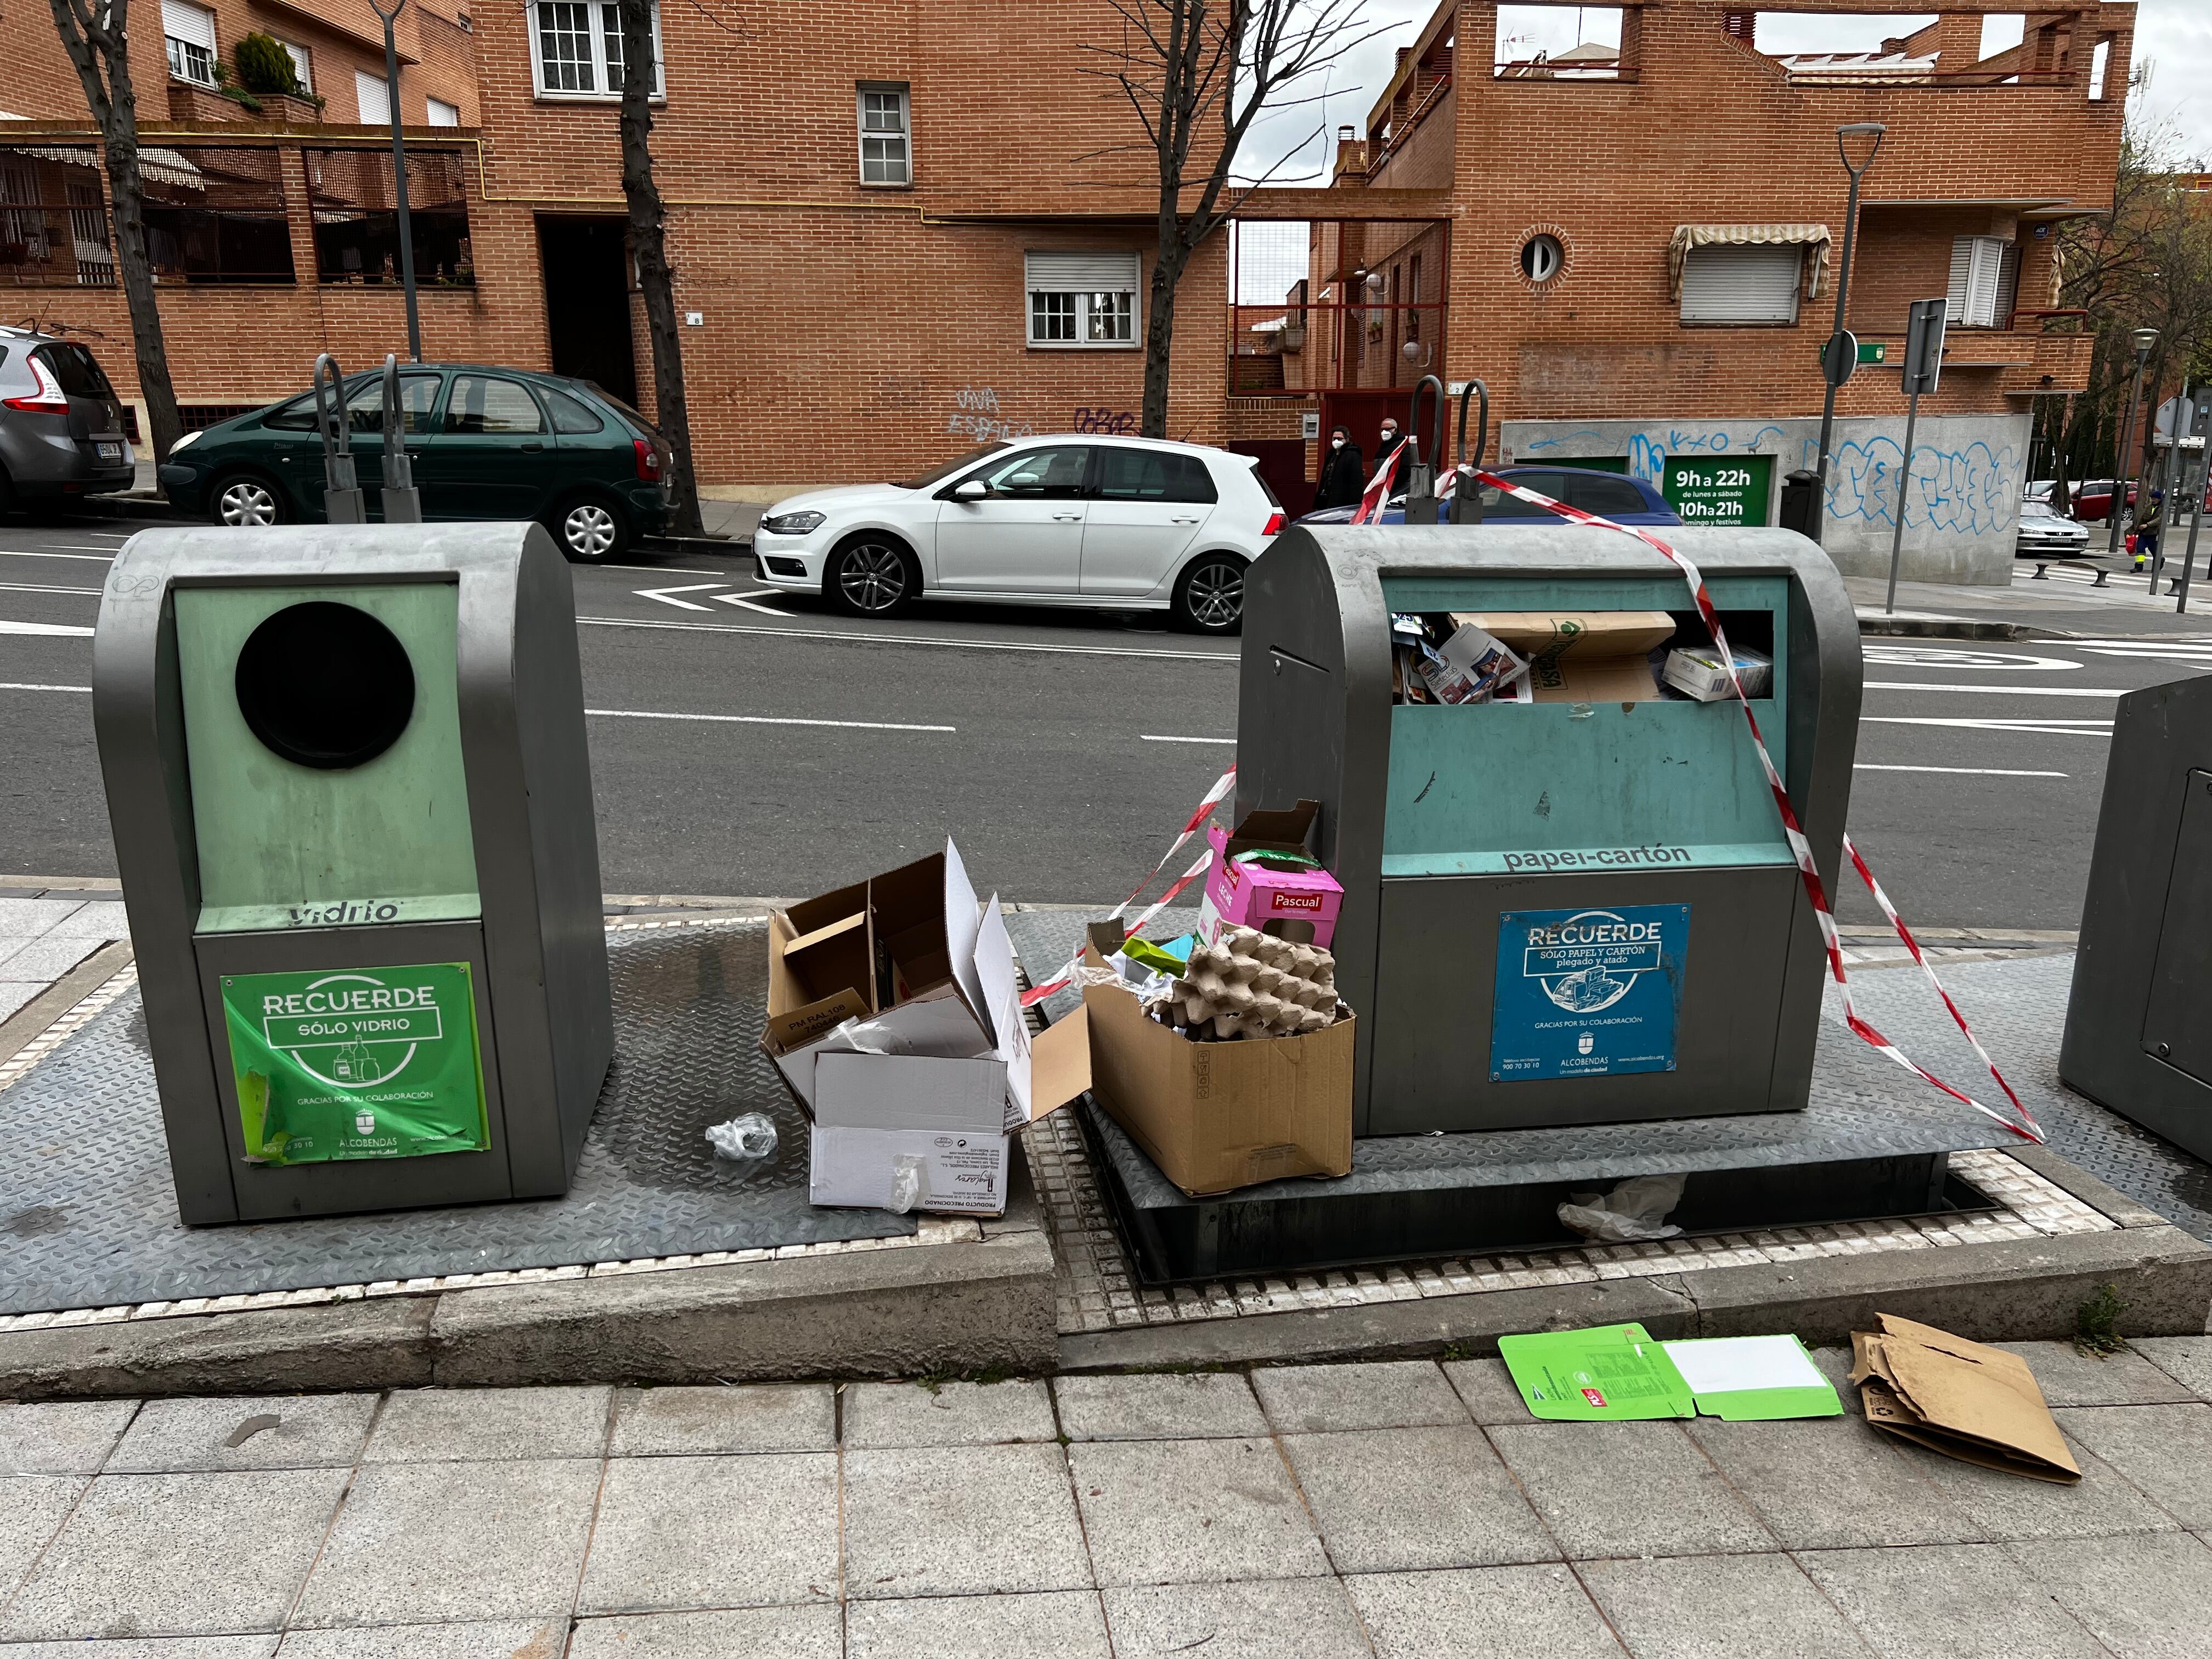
1965	492
976	413
1114	422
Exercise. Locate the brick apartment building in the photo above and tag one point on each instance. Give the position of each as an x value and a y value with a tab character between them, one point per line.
1634	246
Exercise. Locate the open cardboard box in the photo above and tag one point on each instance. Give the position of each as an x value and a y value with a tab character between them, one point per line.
1584	656
931	974
1254	892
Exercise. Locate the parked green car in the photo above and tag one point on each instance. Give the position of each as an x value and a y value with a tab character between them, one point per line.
485	443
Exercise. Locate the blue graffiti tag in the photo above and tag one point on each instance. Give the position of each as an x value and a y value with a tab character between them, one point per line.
1968	492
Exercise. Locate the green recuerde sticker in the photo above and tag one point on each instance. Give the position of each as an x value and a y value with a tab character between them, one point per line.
377	1062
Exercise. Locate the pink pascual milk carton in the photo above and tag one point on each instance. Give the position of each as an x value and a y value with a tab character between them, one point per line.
1263	873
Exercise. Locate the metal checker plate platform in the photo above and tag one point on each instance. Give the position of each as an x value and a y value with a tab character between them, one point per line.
1862	1106
87	1217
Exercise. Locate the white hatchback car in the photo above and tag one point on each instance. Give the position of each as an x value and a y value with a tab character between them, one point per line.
1122	523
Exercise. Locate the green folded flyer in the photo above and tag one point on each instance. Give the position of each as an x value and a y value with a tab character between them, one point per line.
349	1064
1619	1373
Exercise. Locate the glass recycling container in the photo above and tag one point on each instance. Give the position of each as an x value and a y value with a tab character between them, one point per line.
351	801
1565	911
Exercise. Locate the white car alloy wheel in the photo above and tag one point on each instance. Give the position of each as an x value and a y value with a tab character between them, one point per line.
590	531
872	577
1213	593
246	502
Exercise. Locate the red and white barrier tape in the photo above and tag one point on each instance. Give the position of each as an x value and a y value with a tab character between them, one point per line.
1800	848
1378	489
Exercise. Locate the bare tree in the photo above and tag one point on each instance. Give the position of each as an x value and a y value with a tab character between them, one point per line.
95	35
1198	73
648	245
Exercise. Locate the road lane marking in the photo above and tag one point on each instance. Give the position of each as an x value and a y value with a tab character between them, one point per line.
881	640
107	557
1148	737
663	593
35	587
745	601
2054	727
761	719
67	630
1891	655
1998	690
12	685
1956	771
658	569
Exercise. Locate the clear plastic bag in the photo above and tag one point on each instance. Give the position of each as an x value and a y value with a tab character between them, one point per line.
909	1185
743	1139
1633	1212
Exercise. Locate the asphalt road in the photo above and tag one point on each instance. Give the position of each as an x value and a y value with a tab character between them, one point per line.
749	742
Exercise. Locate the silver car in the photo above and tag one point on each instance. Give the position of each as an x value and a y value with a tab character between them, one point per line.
61	424
2045	534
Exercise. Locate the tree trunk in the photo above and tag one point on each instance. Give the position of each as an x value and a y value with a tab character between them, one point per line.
1159	324
100	54
649	244
2062	494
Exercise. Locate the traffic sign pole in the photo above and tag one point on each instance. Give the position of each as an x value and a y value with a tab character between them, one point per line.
1923	367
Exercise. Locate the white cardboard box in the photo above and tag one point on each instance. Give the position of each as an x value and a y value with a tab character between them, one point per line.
962	1175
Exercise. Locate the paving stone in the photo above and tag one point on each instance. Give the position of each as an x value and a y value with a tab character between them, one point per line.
923	1521
1832	1483
1065	1623
175	1647
2010	1507
1948	1601
816	1632
713	1532
434	1425
31	1510
14	994
44	960
2186	1359
767	1417
2144	1598
2069	1377
1628	1489
1391	1500
540	1638
1835	1365
61	1437
1259	1618
1206	1405
1485	1388
425	1542
310	1430
96	919
1403	1394
177	1555
1162	1511
947	1414
1720	1607
28	918
2165	1452
1521	1613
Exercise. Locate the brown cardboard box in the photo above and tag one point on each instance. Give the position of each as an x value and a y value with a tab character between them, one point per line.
1216	1117
1980	1405
1586	656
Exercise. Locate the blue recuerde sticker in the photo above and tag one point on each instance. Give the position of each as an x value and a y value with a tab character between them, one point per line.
1588	993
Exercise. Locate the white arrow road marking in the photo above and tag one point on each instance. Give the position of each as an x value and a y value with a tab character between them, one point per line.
1147	737
67	630
26	553
1998	690
35	587
9	685
1956	771
761	719
662	593
2056	728
745	601
854	636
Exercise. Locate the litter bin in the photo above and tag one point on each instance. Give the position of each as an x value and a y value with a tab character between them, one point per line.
1563	911
2139	1019
351	802
1800	502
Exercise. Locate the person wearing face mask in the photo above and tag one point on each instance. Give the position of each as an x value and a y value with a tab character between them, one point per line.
1343	474
1392	438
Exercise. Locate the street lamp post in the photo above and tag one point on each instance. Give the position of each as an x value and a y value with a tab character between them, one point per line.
2145	340
1841	356
399	177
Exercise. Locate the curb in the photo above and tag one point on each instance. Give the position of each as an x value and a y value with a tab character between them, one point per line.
1950	628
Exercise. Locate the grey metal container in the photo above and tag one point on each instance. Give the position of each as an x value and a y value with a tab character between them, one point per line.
332	752
1441	823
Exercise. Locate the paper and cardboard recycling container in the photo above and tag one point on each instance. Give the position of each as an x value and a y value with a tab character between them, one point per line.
2139	1021
352	808
1574	903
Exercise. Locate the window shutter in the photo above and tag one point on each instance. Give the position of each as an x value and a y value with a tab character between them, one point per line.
1757	283
372	98
1962	259
1977	265
1080	272
303	69
185	22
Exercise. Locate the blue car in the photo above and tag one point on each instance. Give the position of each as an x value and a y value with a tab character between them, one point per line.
1612	495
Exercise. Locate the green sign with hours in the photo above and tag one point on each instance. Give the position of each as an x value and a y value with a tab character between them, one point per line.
1728	491
376	1062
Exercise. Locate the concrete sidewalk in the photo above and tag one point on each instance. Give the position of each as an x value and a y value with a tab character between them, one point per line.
1406	1511
2065	604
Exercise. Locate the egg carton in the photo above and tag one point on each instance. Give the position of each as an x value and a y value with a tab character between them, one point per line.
1250	984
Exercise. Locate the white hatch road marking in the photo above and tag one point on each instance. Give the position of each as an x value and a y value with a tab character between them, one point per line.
745	601
1998	690
880	639
760	719
35	587
65	630
1956	771
1148	737
2054	727
10	685
89	557
2185	653
1891	655
660	570
663	594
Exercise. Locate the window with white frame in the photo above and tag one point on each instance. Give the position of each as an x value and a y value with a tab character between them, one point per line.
372	96
303	64
1984	274
190	32
576	49
1082	299
1741	283
443	114
887	156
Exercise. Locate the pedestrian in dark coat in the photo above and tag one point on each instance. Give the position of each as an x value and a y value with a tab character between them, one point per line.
1392	438
1343	474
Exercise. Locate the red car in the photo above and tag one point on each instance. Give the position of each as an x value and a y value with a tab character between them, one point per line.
2092	499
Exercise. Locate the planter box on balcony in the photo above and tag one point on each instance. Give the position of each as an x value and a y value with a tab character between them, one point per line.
193	103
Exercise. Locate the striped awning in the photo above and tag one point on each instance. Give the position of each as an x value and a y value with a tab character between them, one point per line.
1689	236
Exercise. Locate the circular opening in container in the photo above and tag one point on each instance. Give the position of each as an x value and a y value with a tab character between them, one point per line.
326	685
1541	255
